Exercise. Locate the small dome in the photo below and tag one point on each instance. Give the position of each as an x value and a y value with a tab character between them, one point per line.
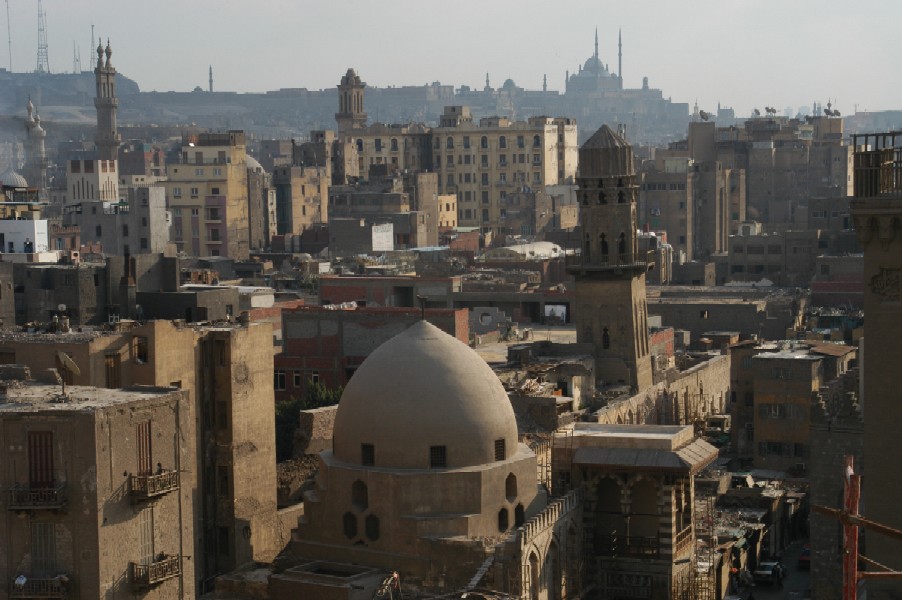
424	388
9	178
253	164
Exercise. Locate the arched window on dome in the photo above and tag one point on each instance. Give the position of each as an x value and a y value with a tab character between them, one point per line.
503	523
359	495
510	487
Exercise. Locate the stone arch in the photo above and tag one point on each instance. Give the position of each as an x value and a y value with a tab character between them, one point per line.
644	518
534	576
554	581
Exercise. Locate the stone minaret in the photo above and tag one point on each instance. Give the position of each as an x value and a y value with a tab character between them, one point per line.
108	138
350	113
611	310
35	154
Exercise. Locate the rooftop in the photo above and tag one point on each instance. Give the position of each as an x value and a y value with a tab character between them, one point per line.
37	398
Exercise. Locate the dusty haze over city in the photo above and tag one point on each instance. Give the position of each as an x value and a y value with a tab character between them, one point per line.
742	54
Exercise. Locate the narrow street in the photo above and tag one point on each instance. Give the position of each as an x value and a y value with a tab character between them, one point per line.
795	585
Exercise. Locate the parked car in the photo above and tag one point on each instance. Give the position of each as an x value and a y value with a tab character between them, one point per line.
766	572
805	557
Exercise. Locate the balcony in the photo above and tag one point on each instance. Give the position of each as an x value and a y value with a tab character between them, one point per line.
631	546
27	497
635	263
43	588
155	573
143	488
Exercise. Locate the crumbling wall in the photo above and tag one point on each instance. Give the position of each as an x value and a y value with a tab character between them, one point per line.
314	433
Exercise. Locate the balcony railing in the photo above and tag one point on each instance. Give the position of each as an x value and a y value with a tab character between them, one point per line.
149	575
27	497
621	545
683	540
33	588
148	487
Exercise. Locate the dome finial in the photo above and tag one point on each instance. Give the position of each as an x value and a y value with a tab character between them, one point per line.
596	42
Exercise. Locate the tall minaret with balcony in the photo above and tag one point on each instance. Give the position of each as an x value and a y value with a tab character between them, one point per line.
108	138
611	310
350	113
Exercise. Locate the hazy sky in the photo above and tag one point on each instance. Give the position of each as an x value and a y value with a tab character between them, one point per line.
741	53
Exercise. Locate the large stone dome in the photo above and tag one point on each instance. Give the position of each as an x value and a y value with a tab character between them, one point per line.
421	391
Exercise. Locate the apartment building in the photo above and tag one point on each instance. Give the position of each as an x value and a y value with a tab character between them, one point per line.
485	162
207	194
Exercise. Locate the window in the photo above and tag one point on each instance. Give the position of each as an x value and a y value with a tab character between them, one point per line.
217	172
141	349
536	141
502	520
394	144
372	527
222	541
449	143
199	172
438	458
213	214
378	143
499	450
521	142
314	377
296	379
214	234
349	524
359	495
467	141
502	142
750	432
484	160
177	192
485	179
98	231
144	243
485	197
125	231
223	477
367	455
484	142
510	487
279	380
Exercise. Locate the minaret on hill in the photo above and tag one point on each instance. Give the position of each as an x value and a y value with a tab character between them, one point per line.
108	138
350	113
611	310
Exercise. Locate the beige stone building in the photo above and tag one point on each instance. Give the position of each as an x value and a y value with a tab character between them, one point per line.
483	162
638	504
877	211
611	310
427	477
99	492
229	386
207	194
302	198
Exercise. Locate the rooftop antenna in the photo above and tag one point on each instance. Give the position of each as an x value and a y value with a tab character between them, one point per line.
9	38
76	58
43	62
422	301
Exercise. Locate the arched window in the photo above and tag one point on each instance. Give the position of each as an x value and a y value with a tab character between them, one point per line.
359	145
359	495
483	142
371	524
603	243
510	487
449	142
394	144
586	249
621	197
621	246
602	197
502	520
349	523
519	515
606	339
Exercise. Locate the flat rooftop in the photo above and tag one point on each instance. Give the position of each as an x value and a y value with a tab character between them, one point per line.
38	398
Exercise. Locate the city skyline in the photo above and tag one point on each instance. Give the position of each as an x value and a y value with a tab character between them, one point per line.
779	58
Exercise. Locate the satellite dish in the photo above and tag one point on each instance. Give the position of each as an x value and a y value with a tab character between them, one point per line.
68	363
61	308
